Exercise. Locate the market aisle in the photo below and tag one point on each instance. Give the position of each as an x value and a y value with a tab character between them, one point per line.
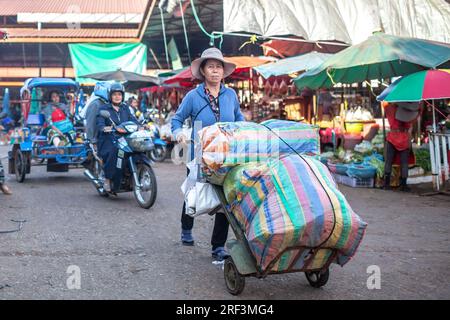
125	252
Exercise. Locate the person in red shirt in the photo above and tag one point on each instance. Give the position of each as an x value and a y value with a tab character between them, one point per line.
398	140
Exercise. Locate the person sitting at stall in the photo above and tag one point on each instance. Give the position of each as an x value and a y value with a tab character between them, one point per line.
398	139
120	112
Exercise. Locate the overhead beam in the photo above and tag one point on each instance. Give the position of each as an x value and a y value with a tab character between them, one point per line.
69	40
11	83
147	16
48	72
30	72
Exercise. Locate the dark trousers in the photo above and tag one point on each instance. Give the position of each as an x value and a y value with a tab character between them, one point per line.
108	152
220	231
390	154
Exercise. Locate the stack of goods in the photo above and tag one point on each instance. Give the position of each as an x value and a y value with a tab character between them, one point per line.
292	202
285	201
363	163
226	145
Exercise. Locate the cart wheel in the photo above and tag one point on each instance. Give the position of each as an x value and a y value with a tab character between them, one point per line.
234	281
317	279
20	164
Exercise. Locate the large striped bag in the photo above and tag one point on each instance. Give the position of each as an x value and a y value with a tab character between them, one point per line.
292	202
228	144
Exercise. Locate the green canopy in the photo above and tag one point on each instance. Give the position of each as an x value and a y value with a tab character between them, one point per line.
171	73
98	57
380	56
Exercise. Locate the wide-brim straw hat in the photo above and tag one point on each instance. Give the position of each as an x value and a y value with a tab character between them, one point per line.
407	111
211	53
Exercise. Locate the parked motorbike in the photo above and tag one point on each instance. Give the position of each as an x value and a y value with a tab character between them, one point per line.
159	152
138	176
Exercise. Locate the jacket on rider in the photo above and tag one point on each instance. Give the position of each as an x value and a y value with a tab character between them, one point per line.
98	99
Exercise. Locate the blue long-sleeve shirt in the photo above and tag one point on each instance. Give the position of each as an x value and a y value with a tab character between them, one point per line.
195	105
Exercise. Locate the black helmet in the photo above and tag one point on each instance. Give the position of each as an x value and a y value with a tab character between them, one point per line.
116	87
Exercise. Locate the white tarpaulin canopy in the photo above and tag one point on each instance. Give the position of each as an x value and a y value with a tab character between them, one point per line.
349	21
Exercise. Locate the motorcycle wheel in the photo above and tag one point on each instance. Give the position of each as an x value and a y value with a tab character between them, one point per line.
146	195
158	154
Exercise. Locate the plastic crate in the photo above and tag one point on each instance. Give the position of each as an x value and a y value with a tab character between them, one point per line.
354	182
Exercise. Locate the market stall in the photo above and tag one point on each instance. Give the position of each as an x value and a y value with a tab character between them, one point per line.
429	85
278	96
358	159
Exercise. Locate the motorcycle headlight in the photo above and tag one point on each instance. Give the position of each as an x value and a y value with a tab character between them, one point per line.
131	127
140	141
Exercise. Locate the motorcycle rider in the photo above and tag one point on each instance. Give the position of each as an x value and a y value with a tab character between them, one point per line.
98	99
119	112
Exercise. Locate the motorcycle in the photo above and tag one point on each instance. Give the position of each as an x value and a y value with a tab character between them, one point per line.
159	152
138	176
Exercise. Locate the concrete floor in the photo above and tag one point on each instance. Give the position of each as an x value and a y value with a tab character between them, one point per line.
125	252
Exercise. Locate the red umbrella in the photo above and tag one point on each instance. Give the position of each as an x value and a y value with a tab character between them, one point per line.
185	75
243	64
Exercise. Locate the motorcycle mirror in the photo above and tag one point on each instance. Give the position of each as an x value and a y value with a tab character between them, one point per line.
105	114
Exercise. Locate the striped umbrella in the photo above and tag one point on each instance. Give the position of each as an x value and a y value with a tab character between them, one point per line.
423	85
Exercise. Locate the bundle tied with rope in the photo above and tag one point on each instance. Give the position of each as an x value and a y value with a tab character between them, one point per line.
282	196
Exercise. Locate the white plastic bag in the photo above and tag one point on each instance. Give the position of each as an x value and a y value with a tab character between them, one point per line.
200	197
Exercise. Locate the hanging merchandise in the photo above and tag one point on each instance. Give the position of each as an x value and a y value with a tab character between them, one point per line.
267	89
255	84
276	89
292	90
173	98
260	82
283	88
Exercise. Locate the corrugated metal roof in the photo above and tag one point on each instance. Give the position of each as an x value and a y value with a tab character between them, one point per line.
12	7
71	33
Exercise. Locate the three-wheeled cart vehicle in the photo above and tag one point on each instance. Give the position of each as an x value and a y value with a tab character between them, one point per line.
30	143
